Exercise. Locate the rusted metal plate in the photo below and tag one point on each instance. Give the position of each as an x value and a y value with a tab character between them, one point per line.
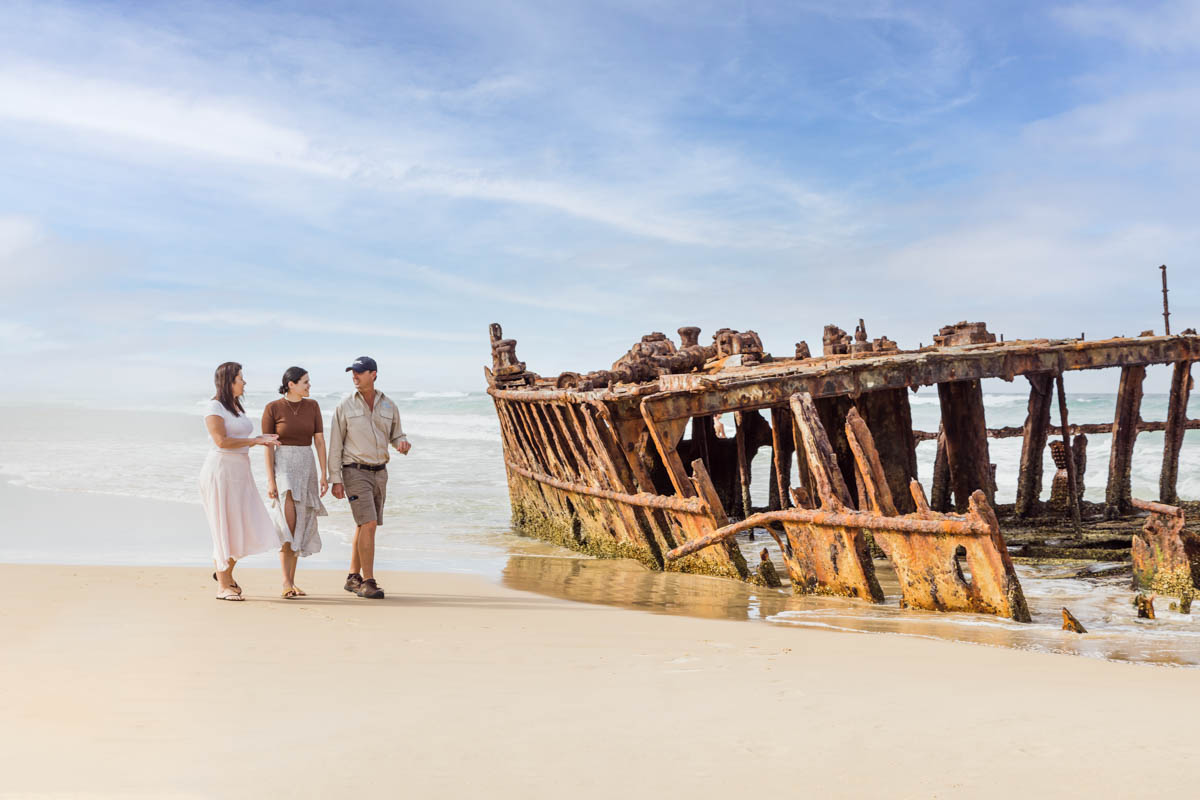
930	568
830	560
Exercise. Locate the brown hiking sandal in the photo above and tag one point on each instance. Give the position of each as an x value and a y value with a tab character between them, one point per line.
370	589
353	581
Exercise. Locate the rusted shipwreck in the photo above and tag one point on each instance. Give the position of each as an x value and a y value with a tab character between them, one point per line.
629	462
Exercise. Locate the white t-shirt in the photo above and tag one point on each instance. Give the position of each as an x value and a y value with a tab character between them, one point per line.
239	427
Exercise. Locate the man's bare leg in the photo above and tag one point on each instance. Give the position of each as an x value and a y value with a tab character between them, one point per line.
364	549
355	562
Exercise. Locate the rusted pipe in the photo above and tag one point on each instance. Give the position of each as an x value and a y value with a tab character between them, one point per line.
959	525
1090	428
1166	308
1157	508
694	506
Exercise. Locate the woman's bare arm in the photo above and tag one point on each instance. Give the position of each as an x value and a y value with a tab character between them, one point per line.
269	456
319	441
268	427
216	429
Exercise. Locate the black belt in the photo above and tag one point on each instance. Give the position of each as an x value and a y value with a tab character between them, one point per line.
367	467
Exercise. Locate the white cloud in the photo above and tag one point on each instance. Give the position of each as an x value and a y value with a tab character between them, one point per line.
17	235
32	257
252	318
1165	28
591	304
17	338
179	120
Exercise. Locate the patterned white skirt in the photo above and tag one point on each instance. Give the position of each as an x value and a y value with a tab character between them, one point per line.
296	472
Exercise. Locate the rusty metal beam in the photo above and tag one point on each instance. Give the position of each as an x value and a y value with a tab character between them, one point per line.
888	415
743	462
781	454
1072	478
830	486
966	440
913	523
1033	446
1089	428
666	436
871	474
693	505
1125	429
770	386
1176	424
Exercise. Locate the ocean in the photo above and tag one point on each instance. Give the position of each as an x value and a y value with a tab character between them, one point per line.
447	511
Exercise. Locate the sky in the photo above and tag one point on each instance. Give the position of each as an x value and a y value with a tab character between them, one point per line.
183	184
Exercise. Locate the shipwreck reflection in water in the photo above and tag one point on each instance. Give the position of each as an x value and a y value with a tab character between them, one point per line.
1102	604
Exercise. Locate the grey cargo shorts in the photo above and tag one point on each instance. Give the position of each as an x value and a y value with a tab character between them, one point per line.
366	491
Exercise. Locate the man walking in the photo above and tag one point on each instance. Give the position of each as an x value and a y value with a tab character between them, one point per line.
363	426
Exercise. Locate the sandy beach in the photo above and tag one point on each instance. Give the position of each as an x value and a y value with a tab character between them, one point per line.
124	681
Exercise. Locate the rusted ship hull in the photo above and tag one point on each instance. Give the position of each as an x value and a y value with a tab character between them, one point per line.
627	462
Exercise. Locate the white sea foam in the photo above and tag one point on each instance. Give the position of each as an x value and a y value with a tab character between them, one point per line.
438	395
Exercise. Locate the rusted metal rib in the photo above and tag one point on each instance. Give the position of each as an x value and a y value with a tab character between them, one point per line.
567	396
1090	428
962	526
1157	508
693	506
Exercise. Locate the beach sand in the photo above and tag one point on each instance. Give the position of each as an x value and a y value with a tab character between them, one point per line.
130	681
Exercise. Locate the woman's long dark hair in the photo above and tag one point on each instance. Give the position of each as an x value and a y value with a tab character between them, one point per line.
292	375
224	377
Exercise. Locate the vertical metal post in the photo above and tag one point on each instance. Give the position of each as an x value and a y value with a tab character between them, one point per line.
1072	483
743	464
1166	310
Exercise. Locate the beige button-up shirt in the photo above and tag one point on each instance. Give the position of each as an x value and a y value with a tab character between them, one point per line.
361	435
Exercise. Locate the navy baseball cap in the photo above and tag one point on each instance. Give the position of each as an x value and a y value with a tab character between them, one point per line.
363	364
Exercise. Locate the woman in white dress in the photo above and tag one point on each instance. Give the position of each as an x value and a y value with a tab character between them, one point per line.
238	519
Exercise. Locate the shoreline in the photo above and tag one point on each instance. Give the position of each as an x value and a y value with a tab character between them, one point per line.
90	528
455	683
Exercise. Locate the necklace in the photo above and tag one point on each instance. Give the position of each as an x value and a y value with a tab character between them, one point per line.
295	409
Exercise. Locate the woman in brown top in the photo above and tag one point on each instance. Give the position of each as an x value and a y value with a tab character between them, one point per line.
293	482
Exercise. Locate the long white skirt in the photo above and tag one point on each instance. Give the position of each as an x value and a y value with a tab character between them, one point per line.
296	472
238	519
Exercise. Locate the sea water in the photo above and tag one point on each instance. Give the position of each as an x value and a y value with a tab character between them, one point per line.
447	510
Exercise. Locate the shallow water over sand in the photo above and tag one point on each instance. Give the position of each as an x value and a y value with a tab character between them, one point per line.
1101	604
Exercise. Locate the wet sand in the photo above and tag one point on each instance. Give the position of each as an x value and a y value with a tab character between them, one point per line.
125	681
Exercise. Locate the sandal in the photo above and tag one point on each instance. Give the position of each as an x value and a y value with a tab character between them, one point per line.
228	594
235	586
289	594
300	592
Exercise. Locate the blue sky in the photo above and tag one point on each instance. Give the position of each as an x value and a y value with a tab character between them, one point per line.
304	183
